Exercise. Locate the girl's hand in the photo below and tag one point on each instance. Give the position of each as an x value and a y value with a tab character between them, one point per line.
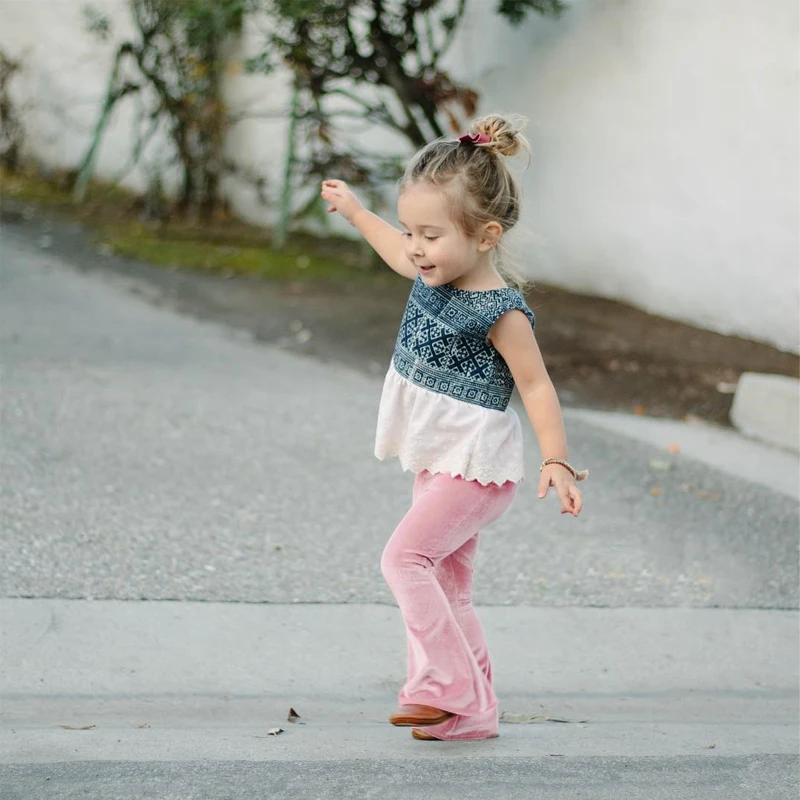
339	197
569	494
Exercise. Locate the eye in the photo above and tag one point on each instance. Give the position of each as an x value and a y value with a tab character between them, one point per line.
431	238
405	234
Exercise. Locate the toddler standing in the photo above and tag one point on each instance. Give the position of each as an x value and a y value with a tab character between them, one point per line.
465	341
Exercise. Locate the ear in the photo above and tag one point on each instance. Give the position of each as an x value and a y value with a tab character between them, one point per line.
489	236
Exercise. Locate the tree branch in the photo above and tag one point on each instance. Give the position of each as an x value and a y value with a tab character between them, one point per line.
451	33
379	112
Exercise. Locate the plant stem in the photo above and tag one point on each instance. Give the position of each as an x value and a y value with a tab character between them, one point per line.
286	194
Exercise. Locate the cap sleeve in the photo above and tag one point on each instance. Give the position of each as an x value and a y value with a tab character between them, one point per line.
509	301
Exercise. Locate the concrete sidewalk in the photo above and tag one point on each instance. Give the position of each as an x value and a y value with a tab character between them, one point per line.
149	458
204	682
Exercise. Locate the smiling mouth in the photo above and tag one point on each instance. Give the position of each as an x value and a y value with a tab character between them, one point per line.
426	269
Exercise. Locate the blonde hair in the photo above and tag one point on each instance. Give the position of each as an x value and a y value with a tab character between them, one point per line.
476	182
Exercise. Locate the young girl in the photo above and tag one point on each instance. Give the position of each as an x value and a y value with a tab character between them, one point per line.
466	339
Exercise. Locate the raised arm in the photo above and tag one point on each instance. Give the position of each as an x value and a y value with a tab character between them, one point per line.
386	240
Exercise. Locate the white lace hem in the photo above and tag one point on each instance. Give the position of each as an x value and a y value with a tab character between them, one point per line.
430	431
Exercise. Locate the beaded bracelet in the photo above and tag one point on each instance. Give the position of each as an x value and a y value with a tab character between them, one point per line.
581	475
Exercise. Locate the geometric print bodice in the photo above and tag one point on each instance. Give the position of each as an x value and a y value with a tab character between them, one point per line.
442	344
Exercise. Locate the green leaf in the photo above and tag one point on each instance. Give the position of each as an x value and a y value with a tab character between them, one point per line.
515	11
97	23
262	64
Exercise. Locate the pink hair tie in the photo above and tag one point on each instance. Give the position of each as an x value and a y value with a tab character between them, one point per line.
475	138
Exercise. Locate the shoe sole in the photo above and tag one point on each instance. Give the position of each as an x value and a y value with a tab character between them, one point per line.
427	737
416	722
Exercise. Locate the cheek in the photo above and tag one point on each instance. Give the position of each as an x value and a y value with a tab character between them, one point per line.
438	250
452	253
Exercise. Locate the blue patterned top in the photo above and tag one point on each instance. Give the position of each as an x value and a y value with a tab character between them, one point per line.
442	344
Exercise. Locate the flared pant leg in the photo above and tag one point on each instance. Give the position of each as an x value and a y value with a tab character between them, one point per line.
454	574
428	566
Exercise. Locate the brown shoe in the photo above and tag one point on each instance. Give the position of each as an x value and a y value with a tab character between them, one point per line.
418	733
414	715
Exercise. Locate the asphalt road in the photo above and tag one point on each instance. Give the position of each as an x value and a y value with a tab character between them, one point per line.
151	456
148	455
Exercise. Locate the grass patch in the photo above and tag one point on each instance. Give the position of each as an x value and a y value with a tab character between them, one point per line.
228	247
28	185
175	249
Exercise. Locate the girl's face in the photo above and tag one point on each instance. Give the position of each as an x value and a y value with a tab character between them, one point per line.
435	245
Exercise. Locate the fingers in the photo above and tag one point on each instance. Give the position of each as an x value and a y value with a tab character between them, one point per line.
568	493
572	500
336	186
577	499
331	192
330	195
544	485
564	497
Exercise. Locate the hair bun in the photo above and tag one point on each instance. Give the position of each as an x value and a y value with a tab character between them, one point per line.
506	136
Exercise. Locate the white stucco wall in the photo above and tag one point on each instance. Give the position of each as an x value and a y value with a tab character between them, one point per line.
63	80
665	138
62	83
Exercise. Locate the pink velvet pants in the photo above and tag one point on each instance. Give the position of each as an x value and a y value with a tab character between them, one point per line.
428	566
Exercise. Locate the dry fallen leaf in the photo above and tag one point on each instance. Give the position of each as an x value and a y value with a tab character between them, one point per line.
709	495
78	728
673	448
656	491
274	731
143	725
639	410
293	715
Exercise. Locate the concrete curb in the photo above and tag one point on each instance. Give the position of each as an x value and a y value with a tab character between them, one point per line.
206	681
767	407
721	448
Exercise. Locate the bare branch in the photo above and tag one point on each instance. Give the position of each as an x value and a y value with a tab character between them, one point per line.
242	116
141	144
380	112
451	33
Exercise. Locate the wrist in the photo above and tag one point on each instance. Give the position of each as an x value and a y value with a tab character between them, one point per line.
578	475
358	216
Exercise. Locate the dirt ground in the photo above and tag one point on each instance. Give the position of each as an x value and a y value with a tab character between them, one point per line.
600	354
